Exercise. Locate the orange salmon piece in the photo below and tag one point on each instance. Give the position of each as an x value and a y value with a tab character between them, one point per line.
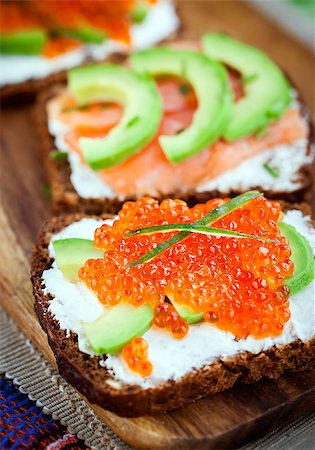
224	156
93	118
149	172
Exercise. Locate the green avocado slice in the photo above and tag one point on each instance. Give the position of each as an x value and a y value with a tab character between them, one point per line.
187	313
117	326
267	92
210	82
302	257
86	34
142	111
71	254
30	42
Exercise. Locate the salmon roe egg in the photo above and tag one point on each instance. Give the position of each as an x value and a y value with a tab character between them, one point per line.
237	284
166	316
135	354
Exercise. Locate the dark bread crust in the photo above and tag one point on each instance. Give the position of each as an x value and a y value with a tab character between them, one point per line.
26	90
66	200
85	374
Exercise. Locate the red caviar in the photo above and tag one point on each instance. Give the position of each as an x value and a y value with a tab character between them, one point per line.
135	355
238	284
55	47
166	316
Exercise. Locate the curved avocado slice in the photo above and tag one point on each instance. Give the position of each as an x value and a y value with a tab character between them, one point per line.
302	257
88	35
71	254
186	313
116	326
210	83
29	42
142	111
267	92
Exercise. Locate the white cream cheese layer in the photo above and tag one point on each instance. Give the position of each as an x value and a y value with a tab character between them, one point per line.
172	358
160	23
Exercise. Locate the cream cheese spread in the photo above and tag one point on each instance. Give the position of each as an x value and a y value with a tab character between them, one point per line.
160	22
172	358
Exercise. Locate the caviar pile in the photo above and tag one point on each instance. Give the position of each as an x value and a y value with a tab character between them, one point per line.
135	354
238	284
166	316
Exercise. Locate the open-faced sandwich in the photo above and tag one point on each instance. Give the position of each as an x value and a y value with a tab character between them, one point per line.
39	39
165	304
193	120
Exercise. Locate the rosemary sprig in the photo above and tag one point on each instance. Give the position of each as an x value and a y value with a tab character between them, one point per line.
193	228
208	219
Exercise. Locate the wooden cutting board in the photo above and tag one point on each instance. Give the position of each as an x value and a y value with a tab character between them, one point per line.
226	420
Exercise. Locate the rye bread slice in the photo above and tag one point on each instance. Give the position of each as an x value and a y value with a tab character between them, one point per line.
99	385
65	199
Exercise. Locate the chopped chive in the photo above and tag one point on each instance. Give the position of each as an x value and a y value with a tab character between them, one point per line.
202	229
184	89
262	131
74	108
250	78
272	170
57	154
208	219
133	121
139	14
46	192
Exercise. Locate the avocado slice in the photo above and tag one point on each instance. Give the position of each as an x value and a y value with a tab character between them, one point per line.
210	82
302	257
30	42
86	34
267	92
71	254
117	326
185	312
142	110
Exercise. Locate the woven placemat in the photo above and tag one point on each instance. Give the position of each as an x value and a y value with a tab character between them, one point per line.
37	378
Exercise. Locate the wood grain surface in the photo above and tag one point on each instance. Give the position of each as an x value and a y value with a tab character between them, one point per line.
226	420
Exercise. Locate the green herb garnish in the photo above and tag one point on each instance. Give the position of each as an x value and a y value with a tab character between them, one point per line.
272	170
262	131
46	192
250	78
133	121
139	13
193	228
184	89
74	108
57	154
208	219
